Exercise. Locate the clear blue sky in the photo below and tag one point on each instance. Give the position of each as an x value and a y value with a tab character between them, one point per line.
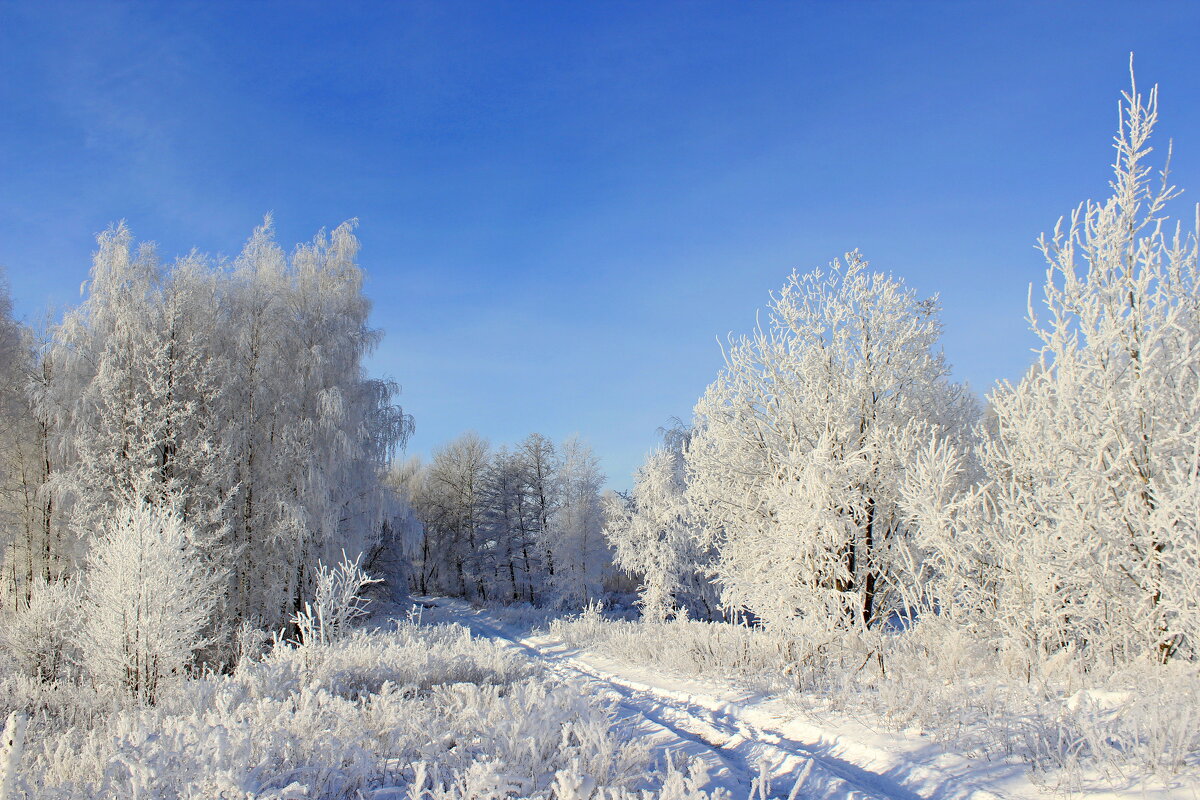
563	205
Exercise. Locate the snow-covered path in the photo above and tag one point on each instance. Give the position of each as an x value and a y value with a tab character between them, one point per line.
751	744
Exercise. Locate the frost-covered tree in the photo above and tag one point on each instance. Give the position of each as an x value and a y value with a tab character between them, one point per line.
12	364
450	506
104	392
510	525
654	536
19	553
33	548
580	552
149	595
1093	469
541	463
237	394
800	444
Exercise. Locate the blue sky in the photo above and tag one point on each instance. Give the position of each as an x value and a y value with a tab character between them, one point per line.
563	205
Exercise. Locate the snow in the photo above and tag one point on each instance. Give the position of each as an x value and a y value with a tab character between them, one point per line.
930	604
752	739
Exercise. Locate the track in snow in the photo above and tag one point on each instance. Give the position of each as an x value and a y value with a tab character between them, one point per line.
743	757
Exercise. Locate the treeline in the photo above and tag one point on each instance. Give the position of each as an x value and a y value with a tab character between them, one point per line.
181	453
221	406
833	478
509	524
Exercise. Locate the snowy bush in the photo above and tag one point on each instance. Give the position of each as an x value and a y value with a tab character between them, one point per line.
337	602
414	709
41	638
148	599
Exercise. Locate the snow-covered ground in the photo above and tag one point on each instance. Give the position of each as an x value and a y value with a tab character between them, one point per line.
485	709
759	745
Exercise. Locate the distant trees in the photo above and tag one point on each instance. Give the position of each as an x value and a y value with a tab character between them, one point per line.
31	547
575	542
510	524
449	503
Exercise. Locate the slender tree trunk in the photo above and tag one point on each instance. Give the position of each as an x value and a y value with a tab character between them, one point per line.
868	610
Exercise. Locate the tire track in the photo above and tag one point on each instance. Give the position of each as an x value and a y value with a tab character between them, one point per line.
747	760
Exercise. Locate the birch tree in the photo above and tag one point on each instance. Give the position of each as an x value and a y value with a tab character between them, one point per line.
580	552
1094	467
541	463
148	600
655	537
800	445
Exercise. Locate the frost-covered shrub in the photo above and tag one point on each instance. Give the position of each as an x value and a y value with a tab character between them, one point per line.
337	602
587	627
384	712
41	638
57	705
412	656
148	598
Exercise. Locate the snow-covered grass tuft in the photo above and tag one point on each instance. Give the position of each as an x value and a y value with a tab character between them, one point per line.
412	656
748	655
415	712
1070	726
